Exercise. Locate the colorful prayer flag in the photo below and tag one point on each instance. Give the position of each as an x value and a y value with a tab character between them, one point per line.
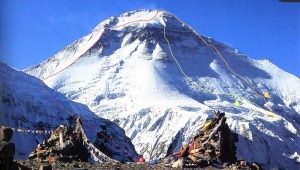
237	103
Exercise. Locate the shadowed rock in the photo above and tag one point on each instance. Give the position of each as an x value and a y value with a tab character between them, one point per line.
7	149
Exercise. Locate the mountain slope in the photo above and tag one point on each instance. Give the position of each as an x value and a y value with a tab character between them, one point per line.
28	105
160	80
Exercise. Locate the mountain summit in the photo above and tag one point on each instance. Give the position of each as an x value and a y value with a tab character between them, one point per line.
159	80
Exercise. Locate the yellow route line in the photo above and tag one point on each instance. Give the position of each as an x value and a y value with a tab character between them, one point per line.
230	69
269	113
220	55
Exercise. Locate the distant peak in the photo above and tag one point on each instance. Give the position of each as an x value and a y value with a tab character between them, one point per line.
138	12
140	18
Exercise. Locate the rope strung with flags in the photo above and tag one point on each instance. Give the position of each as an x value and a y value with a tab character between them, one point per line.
95	152
30	130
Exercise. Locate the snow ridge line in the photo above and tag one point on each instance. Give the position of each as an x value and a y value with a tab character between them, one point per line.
269	113
189	78
106	28
179	66
83	122
222	58
75	114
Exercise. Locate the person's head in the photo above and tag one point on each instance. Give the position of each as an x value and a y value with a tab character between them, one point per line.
196	134
7	134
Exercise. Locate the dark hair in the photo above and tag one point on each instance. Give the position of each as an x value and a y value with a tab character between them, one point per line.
7	134
196	136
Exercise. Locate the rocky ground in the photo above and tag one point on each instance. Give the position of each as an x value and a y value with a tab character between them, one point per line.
68	148
42	165
85	165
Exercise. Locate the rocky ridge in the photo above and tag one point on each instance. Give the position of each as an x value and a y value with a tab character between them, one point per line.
160	80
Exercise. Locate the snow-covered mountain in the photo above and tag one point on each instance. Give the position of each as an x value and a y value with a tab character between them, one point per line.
160	80
33	109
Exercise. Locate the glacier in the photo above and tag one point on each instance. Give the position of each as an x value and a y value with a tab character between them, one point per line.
159	80
34	110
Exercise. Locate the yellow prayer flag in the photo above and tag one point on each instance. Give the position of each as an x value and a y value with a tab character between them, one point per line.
237	103
266	94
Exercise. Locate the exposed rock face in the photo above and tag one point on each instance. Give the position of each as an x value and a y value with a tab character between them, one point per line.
159	80
69	143
212	145
65	144
32	110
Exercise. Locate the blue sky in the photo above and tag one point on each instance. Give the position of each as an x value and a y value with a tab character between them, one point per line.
34	30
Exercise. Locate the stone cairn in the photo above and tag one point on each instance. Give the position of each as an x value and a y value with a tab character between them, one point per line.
213	145
67	144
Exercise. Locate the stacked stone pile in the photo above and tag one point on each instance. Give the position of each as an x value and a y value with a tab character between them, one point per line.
213	145
65	144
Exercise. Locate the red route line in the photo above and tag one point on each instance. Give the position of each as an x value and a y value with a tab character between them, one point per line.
112	27
106	28
53	99
223	59
230	69
75	114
